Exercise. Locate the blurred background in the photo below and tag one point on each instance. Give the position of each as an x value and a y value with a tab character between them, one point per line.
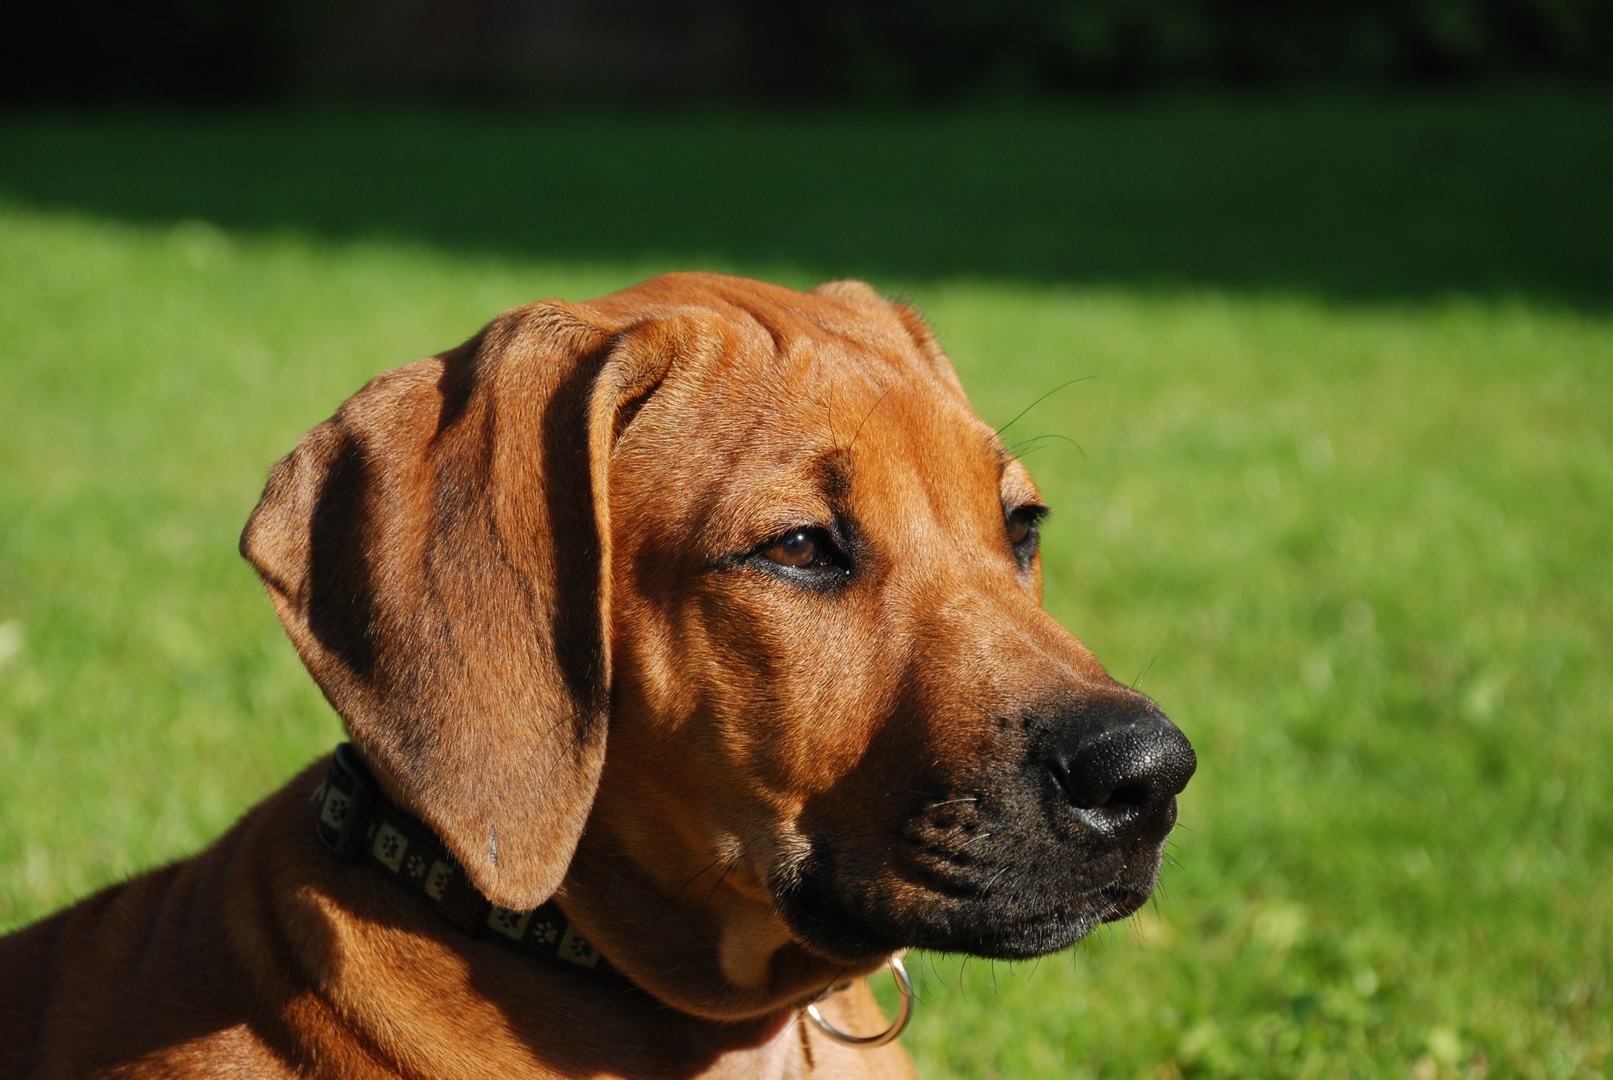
1338	491
510	52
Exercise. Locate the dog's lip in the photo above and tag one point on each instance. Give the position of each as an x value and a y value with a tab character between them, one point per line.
1027	938
1004	940
1126	904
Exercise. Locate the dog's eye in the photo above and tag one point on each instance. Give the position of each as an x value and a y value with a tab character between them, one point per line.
1022	524
806	556
801	548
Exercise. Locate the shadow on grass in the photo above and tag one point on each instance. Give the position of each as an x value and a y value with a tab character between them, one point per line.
1345	197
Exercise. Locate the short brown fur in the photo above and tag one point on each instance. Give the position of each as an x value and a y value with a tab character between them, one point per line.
524	572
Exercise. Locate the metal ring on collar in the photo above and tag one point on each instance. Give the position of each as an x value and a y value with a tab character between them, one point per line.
867	1042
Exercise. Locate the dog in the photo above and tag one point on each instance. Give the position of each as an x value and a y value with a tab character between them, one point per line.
691	647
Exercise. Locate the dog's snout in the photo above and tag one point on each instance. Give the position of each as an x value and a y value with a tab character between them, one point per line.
1123	774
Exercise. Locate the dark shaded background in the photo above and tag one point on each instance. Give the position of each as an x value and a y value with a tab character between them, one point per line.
1355	149
1339	195
892	51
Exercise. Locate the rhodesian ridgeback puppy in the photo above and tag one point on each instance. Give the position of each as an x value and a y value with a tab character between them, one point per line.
691	648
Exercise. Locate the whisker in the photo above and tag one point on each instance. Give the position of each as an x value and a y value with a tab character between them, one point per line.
1041	399
1035	440
714	888
864	420
1146	667
667	906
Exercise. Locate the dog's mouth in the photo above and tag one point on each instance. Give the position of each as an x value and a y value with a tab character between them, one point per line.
1018	919
1038	842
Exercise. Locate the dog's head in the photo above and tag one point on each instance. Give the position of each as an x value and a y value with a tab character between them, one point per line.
756	543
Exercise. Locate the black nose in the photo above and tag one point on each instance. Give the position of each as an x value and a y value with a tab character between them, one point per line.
1123	773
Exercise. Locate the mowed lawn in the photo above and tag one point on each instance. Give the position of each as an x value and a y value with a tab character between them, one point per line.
1337	487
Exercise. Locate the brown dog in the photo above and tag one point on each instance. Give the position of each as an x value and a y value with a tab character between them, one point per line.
709	610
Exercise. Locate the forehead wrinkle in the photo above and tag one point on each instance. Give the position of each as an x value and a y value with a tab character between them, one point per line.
776	468
745	461
874	329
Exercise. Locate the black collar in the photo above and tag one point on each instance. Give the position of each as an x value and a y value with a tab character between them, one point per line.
357	822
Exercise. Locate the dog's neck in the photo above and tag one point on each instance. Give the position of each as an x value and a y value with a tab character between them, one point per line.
356	819
634	879
761	1042
758	969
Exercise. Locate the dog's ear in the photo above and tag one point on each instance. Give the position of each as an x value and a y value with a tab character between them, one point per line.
851	291
437	553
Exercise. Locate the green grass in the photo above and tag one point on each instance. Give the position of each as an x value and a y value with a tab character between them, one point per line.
1344	488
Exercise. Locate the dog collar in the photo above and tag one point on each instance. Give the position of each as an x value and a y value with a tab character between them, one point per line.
357	822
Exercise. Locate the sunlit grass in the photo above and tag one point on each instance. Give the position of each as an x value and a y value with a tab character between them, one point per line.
1365	556
1361	552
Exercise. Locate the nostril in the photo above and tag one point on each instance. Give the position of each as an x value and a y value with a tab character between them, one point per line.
1131	795
1124	805
1124	798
